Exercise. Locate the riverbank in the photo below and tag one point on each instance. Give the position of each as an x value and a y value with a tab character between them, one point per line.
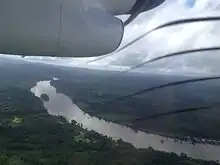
60	104
123	119
29	136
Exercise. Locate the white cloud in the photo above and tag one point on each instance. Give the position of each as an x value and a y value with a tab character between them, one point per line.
195	35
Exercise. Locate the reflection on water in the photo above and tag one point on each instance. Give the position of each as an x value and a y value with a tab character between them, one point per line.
60	104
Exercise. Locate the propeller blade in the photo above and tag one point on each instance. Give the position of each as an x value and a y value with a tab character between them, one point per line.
142	6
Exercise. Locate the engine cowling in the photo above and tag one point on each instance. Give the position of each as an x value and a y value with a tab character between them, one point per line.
78	28
62	28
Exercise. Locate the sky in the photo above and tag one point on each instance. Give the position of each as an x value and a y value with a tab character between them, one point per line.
160	42
190	3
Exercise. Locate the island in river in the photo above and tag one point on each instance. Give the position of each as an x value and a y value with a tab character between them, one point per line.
29	135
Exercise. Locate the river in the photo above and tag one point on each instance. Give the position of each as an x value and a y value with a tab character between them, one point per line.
60	104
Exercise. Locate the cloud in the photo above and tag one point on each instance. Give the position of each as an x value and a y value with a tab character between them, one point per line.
167	40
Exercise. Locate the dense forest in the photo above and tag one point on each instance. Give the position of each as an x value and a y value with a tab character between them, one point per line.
30	136
93	92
